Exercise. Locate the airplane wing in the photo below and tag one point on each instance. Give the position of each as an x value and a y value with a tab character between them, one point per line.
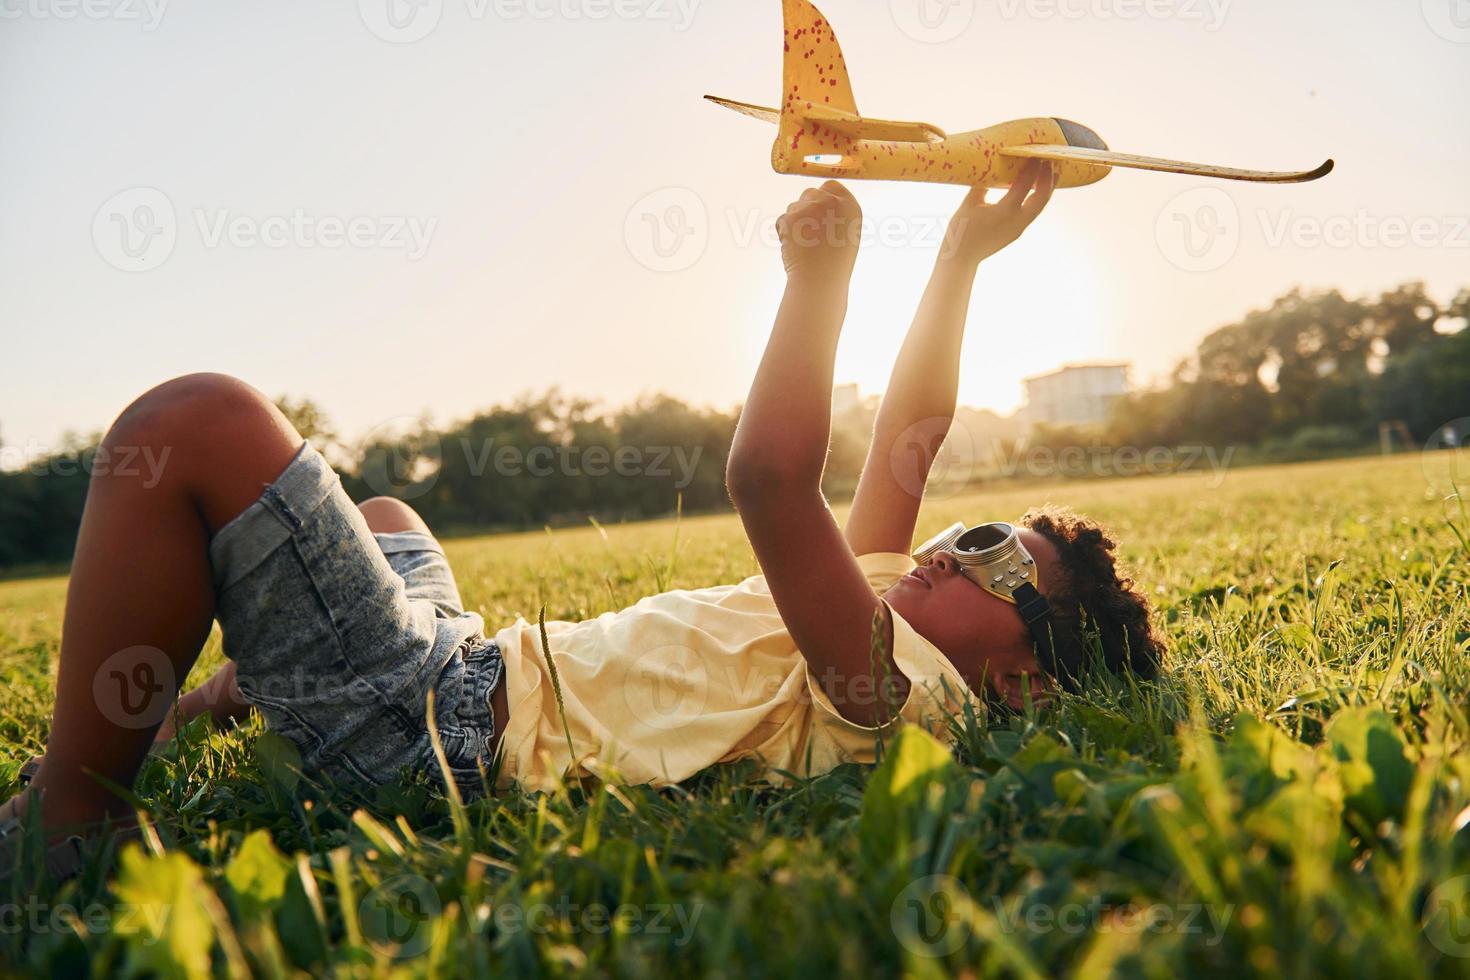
746	109
1108	158
845	123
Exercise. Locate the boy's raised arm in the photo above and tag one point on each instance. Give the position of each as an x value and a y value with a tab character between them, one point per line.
775	467
919	405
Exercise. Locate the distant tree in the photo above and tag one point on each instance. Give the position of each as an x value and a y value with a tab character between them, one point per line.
311	420
1405	317
1457	313
694	444
1316	360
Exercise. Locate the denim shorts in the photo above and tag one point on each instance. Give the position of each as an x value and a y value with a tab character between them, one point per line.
339	636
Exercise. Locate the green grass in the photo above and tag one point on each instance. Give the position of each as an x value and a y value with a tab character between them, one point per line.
1288	802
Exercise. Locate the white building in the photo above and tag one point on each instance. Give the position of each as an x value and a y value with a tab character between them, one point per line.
1076	395
845	398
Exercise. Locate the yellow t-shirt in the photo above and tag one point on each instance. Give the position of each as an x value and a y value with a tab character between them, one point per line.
684	680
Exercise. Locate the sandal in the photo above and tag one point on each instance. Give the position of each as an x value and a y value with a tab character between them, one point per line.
64	859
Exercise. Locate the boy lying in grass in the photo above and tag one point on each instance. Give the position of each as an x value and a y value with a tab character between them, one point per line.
340	621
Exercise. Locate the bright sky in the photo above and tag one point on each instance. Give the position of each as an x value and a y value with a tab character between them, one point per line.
503	175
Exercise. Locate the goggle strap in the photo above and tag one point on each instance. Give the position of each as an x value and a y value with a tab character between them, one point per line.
1031	604
1036	613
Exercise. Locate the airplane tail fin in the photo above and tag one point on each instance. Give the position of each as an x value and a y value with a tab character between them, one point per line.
815	72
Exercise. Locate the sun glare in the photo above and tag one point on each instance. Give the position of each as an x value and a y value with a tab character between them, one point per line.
1026	318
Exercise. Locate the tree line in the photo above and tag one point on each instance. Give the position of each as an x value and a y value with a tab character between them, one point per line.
1314	373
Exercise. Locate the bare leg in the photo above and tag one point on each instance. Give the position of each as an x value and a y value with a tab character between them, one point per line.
181	462
218	697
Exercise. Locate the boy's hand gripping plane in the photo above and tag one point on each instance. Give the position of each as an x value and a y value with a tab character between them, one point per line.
822	134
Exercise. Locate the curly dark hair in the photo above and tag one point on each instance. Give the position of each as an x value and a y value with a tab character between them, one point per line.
1099	615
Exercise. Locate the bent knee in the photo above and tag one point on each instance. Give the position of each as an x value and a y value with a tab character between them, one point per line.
195	403
387	515
222	439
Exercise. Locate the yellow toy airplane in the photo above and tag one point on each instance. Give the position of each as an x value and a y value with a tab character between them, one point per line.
822	134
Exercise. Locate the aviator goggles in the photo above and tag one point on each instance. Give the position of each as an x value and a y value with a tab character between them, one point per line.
994	558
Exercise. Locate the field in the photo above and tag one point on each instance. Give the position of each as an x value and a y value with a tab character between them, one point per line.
1289	802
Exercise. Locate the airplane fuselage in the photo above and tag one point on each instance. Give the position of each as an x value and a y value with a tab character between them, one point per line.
810	149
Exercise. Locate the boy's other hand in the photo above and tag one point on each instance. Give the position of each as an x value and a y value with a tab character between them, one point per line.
820	233
979	230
